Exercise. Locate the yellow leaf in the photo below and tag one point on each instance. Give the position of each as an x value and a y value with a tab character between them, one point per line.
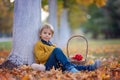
100	3
59	78
43	79
25	77
2	60
90	62
85	2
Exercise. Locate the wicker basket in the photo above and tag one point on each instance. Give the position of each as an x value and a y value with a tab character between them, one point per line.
67	48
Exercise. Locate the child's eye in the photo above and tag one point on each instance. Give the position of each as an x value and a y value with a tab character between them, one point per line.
49	34
45	33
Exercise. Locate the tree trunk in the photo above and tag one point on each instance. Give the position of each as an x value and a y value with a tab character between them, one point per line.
26	24
64	28
53	18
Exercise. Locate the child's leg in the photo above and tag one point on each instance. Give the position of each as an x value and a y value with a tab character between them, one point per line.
89	67
82	67
52	62
58	56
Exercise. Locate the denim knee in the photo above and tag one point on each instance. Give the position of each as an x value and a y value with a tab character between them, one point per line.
57	50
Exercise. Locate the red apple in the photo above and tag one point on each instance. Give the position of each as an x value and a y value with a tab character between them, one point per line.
78	57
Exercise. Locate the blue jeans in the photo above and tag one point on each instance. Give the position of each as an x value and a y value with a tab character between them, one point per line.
58	58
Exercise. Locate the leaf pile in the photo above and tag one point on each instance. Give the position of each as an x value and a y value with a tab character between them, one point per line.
110	69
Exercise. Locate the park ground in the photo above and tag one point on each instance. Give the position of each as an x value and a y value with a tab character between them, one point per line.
108	51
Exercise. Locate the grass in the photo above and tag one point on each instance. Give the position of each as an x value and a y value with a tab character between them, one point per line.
5	45
97	48
104	42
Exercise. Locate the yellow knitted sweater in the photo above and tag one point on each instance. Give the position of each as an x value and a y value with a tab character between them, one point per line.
42	52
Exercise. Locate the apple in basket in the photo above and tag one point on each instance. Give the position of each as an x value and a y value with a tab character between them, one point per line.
77	57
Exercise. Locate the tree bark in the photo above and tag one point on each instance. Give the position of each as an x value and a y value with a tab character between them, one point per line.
27	21
53	18
64	28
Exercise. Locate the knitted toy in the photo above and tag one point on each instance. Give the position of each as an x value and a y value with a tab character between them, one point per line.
38	67
77	57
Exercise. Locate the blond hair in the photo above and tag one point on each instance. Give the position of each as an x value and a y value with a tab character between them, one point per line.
47	26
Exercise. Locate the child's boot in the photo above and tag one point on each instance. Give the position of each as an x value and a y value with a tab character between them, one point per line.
96	64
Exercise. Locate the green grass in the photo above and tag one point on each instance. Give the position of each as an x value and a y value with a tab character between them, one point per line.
5	45
103	42
92	43
8	45
98	48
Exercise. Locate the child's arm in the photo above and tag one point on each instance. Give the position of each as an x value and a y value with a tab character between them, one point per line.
41	55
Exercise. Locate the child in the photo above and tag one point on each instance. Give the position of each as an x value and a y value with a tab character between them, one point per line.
50	56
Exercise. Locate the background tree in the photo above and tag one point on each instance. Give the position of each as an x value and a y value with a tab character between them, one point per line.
79	8
112	14
52	19
95	23
6	18
103	21
64	25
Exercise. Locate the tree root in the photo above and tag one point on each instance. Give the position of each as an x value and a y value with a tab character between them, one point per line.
8	64
12	61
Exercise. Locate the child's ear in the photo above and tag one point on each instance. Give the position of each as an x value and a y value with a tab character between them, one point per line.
39	35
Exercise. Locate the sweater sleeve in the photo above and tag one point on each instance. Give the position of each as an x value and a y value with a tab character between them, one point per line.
41	53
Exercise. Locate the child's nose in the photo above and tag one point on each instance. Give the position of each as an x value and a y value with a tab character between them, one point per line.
47	34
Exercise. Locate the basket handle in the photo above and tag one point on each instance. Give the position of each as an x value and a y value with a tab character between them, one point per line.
85	41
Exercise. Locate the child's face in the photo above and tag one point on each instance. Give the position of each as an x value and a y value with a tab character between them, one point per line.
46	34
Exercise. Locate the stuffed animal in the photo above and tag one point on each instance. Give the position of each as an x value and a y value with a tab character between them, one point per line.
38	67
77	57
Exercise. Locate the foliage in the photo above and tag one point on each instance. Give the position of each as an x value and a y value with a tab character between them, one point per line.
78	10
110	69
77	15
106	50
44	2
75	7
103	21
99	3
96	21
6	17
112	14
